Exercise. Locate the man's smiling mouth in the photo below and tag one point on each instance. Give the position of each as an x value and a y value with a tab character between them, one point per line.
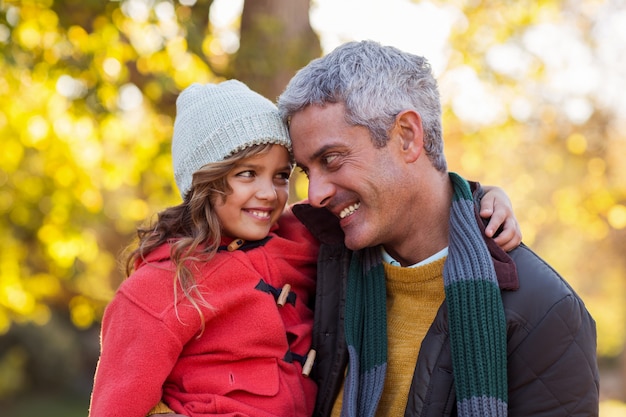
349	210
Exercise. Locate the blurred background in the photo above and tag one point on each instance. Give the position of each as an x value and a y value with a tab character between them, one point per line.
534	101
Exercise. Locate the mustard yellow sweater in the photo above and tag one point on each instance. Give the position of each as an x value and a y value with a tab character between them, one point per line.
413	298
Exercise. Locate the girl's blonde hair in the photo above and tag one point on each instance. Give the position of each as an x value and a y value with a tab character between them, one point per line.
192	228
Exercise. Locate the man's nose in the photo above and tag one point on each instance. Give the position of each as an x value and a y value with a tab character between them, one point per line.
321	191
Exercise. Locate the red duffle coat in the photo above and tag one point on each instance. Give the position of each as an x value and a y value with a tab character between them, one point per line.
247	362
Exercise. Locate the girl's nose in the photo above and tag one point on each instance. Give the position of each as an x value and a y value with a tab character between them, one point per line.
266	191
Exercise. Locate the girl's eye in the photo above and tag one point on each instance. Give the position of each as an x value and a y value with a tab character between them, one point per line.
246	174
283	176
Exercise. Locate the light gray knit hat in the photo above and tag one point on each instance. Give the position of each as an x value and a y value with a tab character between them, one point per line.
214	121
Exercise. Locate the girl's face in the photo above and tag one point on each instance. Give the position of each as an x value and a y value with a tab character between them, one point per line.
260	189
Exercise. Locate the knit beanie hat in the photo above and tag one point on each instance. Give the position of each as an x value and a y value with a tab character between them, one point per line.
214	121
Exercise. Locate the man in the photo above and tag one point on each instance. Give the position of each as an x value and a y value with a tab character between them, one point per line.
418	313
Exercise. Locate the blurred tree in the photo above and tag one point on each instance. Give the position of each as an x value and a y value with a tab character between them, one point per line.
276	41
88	90
531	107
88	93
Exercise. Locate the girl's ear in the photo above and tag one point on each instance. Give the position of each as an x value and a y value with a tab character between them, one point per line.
409	132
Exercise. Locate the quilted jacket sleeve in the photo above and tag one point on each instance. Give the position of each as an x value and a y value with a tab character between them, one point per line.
552	344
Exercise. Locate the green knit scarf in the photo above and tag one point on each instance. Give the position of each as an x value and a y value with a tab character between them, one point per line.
476	321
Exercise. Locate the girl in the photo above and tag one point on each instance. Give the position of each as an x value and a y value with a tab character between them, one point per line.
216	317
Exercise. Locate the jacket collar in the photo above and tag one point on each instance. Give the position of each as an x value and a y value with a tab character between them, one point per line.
321	223
325	227
504	265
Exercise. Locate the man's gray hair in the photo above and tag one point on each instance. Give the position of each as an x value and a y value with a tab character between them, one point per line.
374	83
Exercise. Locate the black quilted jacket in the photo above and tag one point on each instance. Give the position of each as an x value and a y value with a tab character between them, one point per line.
552	369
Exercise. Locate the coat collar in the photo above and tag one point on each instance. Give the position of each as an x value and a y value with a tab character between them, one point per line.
325	227
321	223
504	265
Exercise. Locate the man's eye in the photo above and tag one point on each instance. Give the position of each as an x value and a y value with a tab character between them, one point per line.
328	159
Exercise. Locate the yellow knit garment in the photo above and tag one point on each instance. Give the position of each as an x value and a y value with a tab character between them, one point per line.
413	297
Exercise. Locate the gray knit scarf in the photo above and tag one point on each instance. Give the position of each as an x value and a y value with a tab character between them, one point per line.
476	321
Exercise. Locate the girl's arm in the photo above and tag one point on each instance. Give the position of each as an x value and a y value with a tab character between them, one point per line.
132	367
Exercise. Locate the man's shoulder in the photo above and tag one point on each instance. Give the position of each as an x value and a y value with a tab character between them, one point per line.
541	287
551	339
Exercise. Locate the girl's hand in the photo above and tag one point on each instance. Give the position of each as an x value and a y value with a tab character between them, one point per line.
496	206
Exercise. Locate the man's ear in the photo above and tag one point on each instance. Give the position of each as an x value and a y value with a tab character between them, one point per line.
409	131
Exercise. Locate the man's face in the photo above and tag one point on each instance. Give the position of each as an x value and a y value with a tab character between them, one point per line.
347	175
